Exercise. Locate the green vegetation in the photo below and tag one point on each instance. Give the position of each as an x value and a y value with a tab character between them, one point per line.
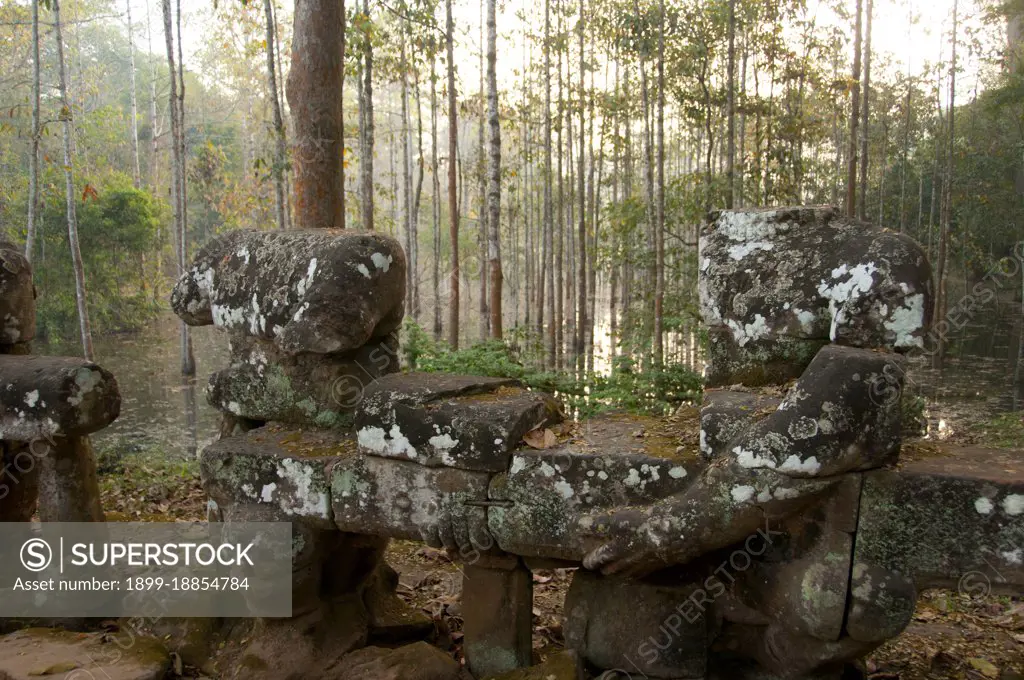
656	390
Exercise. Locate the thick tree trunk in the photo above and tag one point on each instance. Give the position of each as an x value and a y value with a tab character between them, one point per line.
313	90
494	173
453	197
280	149
851	174
69	192
33	159
862	205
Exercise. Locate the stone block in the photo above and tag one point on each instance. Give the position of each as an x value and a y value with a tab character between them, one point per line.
35	652
17	297
440	420
543	504
497	619
265	384
69	489
442	507
321	291
778	283
636	628
286	470
952	521
725	413
46	397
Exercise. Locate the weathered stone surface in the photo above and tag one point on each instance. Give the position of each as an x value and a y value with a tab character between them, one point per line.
562	666
842	415
948	522
401	499
776	284
418	661
46	397
634	627
435	419
801	581
17	297
285	469
725	413
19	483
35	652
69	490
547	496
320	291
775	652
391	619
497	618
265	384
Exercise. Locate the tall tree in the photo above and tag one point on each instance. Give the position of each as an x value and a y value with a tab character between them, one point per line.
547	287
69	190
946	210
659	225
436	196
136	170
453	196
862	200
581	263
851	174
33	159
730	170
366	123
494	172
280	148
482	160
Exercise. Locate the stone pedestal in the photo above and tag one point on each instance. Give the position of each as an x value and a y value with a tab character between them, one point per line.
497	604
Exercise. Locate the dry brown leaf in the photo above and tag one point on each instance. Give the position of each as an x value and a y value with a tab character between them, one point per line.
540	438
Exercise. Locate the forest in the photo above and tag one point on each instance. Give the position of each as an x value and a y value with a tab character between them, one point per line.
547	165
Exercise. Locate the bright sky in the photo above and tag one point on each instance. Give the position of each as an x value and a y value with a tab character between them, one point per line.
895	40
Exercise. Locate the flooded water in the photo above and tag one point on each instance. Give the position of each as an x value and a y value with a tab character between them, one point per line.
162	415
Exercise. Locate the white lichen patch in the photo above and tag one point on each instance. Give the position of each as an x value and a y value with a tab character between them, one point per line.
363	269
743	333
375	439
381	261
749	459
306	281
906	322
705	448
803	428
1013	504
1014	557
784	494
794	464
740	251
518	465
983	505
806	319
32	398
234	407
677	472
747	226
742	493
305	500
564	489
267	494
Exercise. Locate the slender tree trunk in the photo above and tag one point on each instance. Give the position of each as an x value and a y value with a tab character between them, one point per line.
559	317
435	199
453	197
410	273
280	153
548	285
939	311
414	257
483	234
730	161
313	90
366	130
581	321
136	169
494	173
862	206
69	187
33	159
851	174
659	227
